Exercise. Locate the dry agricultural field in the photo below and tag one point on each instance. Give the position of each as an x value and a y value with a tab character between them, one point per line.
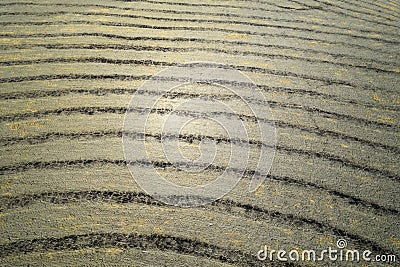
329	71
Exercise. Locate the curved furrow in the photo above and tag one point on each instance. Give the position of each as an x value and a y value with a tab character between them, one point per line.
374	7
281	124
314	154
121	110
363	12
124	241
222	22
250	69
198	29
380	6
193	39
169	49
190	138
122	91
327	7
250	211
310	7
186	12
246	7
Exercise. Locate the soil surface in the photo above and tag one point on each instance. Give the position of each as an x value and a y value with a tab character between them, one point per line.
329	73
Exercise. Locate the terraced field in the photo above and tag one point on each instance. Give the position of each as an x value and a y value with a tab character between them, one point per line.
329	71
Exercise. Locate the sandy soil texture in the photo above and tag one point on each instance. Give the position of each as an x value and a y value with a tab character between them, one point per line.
329	71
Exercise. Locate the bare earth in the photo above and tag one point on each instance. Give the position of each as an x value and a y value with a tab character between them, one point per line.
68	69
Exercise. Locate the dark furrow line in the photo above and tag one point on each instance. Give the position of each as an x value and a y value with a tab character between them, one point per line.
119	110
175	244
286	9
39	165
269	3
273	72
276	104
352	200
228	22
63	4
247	7
330	10
314	130
393	2
191	95
79	110
191	28
325	80
253	212
380	7
322	132
191	138
289	150
72	76
341	161
272	103
344	14
282	124
305	6
215	168
354	3
57	135
297	2
122	91
197	40
304	22
165	49
377	9
309	7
